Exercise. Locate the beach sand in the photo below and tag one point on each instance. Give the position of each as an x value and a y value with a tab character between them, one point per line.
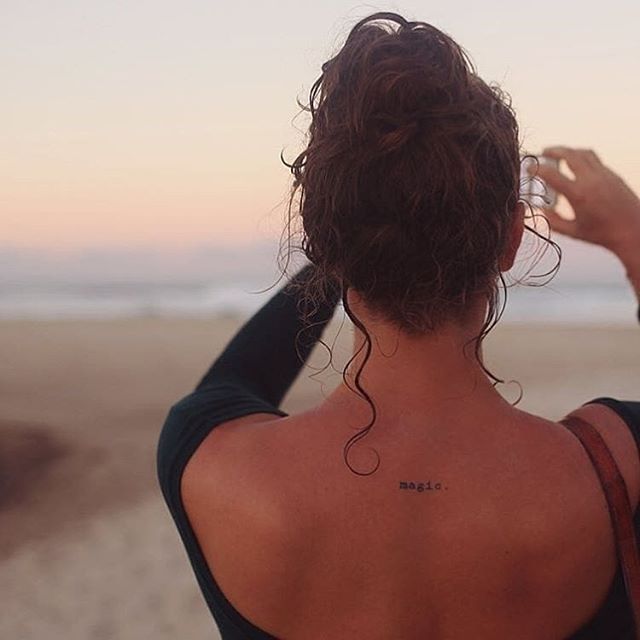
87	546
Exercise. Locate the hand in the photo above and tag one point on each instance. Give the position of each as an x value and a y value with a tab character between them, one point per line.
607	211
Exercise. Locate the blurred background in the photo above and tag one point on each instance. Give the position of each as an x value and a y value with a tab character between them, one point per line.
143	199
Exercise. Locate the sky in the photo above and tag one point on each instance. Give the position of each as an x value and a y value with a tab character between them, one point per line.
154	124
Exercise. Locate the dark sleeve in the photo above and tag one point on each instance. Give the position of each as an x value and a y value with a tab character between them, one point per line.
628	410
251	375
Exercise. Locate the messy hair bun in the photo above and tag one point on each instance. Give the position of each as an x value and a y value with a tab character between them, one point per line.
409	182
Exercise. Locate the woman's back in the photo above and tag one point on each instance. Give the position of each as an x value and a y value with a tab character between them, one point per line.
516	542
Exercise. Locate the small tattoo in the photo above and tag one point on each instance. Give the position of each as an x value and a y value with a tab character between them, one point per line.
422	486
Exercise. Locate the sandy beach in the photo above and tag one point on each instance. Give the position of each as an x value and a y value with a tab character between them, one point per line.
87	547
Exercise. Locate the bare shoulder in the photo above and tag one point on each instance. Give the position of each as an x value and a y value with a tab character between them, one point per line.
573	561
620	441
225	460
231	496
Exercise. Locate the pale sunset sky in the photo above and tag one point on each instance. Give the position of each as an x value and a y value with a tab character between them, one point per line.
159	124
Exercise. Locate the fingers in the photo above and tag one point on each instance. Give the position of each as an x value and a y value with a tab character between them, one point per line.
557	180
579	160
593	159
558	223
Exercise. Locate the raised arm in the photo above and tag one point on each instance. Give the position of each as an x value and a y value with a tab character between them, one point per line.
251	375
607	211
267	353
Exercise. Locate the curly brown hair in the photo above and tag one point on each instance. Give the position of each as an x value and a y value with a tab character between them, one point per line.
409	183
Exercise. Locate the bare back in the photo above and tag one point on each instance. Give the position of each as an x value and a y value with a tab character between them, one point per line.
510	536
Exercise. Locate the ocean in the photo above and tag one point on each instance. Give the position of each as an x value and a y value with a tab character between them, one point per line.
217	280
571	303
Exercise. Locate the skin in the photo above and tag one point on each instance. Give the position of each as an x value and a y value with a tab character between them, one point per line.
606	210
516	542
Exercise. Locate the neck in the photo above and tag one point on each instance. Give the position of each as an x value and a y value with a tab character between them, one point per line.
405	373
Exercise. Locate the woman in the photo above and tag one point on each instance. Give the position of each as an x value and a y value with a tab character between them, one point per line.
414	502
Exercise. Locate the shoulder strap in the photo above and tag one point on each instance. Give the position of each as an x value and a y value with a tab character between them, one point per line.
615	491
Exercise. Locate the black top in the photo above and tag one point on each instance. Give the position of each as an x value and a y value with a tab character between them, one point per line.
252	375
